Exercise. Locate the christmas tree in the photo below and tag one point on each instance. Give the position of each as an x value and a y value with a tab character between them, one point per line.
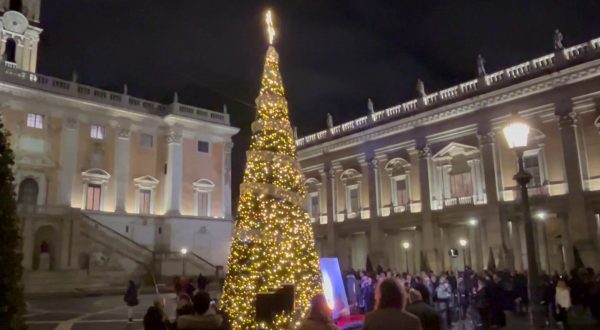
12	305
273	242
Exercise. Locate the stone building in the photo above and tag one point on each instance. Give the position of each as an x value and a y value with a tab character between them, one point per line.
436	170
109	184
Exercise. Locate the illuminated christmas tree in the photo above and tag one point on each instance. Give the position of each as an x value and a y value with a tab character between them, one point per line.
273	242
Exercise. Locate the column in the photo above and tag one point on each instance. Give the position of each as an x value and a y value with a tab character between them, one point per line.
227	214
492	222
579	230
174	177
474	250
122	157
376	251
19	53
331	210
542	244
516	243
566	241
428	241
69	140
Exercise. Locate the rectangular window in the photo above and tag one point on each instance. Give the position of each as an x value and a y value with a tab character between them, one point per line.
354	200
146	140
97	132
461	185
315	208
93	193
203	204
203	146
35	120
532	166
401	192
145	198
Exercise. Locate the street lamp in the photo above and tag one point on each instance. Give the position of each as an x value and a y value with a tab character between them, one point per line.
463	243
516	134
184	252
406	245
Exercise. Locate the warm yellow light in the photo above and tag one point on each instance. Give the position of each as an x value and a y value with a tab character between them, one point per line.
184	251
270	28
406	245
516	134
462	242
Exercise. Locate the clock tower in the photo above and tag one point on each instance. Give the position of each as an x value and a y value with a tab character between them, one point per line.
20	33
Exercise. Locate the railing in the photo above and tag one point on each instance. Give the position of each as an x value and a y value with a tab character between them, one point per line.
494	79
10	73
142	254
453	201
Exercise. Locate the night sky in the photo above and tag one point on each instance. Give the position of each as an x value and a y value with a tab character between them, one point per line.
334	54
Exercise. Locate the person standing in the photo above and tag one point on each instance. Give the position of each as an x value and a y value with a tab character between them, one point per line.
430	318
389	313
481	302
319	317
444	297
131	299
563	302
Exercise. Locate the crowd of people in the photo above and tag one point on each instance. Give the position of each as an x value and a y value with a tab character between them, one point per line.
412	301
483	298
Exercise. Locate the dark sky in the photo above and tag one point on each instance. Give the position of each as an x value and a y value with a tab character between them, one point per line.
334	54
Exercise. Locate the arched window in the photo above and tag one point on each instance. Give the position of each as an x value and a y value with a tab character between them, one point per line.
10	51
28	191
16	5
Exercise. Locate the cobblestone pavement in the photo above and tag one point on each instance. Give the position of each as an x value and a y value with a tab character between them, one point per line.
110	312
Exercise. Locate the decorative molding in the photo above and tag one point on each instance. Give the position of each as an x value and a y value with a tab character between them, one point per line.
124	133
173	136
203	185
70	123
424	152
487	138
567	120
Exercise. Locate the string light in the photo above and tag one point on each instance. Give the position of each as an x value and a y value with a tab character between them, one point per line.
273	243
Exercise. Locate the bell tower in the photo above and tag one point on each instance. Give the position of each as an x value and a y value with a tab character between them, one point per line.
20	33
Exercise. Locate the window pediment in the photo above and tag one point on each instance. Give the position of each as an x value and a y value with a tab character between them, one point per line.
454	149
350	176
397	166
146	181
95	175
203	185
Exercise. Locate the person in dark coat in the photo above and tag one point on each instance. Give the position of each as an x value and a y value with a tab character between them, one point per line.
498	298
481	303
430	318
153	320
131	299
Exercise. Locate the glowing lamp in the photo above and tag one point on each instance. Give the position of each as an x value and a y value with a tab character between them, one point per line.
516	134
184	251
406	245
462	242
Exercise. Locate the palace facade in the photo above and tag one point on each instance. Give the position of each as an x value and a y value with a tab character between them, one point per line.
109	185
436	170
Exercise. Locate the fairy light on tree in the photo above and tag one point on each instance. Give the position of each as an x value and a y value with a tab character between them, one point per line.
273	241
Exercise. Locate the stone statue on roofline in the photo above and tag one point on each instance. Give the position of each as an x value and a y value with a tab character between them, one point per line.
329	121
370	106
481	65
558	40
421	88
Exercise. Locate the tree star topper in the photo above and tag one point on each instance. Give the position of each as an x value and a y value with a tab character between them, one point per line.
270	28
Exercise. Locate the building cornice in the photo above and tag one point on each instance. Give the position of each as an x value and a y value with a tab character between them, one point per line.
506	94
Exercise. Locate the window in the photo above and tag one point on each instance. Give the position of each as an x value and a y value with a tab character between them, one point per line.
315	208
16	5
11	49
203	200
35	120
401	191
354	199
203	146
461	185
28	191
145	200
93	197
146	140
97	132
532	166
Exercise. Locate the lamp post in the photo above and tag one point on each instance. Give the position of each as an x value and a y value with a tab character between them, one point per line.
463	243
406	245
516	134
184	252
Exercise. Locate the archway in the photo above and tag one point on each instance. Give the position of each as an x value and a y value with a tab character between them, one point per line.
45	242
28	192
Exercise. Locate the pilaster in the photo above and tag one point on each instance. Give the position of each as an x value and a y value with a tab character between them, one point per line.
121	169
429	234
330	187
69	140
226	179
174	176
